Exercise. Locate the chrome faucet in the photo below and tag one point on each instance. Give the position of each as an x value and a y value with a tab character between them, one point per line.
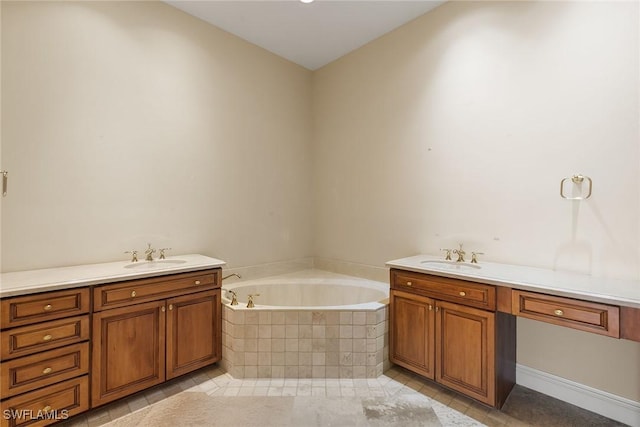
460	253
149	252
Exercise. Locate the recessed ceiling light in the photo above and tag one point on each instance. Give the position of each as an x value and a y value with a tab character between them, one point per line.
306	1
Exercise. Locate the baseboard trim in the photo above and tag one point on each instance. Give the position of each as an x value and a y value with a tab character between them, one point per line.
601	402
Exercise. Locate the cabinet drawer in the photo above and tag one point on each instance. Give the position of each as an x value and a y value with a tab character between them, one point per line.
45	406
145	290
43	336
443	288
42	369
582	315
42	307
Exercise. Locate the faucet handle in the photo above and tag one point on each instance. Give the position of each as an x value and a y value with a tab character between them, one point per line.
250	303
447	256
162	252
234	296
474	257
134	255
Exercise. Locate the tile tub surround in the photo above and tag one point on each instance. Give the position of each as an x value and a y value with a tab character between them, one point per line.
305	343
344	334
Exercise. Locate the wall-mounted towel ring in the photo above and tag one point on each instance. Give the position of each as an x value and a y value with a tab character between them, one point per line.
576	179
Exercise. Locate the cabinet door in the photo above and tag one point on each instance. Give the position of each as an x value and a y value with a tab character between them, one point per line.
128	351
194	327
465	352
412	332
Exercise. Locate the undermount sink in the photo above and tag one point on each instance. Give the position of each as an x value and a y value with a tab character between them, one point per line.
158	263
451	265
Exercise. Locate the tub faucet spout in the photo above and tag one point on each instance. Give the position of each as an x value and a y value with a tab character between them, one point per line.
231	275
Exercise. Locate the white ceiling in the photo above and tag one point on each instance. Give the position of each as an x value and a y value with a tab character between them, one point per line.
311	35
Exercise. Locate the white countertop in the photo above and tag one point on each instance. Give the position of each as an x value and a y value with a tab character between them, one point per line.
51	279
573	285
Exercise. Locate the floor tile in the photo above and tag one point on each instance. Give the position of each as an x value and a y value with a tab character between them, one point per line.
399	397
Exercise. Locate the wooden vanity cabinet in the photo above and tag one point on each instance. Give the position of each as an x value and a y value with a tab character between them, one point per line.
44	357
412	332
448	330
194	332
465	350
160	328
128	351
597	318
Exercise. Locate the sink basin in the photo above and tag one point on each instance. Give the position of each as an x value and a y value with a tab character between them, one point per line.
158	263
451	265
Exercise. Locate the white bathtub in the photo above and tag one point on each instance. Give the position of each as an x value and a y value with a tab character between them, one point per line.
308	289
309	324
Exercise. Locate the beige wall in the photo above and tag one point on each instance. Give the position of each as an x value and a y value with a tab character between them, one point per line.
132	122
127	122
460	125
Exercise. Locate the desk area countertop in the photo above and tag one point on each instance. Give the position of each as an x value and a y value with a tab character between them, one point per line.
51	279
566	284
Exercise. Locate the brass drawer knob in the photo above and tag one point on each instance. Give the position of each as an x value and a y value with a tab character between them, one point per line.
47	338
558	312
48	307
463	293
409	284
170	306
133	294
197	282
46	371
46	408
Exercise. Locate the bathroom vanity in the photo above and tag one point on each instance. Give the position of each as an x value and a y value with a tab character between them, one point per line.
455	323
75	338
448	330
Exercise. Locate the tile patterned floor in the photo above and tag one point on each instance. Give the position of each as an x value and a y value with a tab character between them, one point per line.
524	407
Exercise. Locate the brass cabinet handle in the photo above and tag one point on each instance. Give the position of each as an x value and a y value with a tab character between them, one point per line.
133	294
409	284
46	371
170	306
47	307
197	282
163	308
46	408
558	312
430	307
463	293
437	309
47	338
